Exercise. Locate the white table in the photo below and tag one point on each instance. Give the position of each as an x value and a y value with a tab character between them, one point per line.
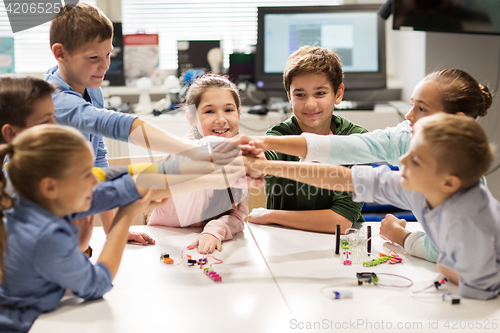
304	263
271	283
150	296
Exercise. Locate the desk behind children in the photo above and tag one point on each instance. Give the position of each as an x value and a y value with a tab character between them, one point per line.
150	296
304	264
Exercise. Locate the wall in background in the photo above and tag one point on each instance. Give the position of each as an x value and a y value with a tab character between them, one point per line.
479	55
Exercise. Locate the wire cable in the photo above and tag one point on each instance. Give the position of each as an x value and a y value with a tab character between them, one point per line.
400	114
395	286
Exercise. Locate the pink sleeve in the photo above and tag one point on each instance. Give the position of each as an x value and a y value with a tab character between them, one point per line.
181	210
228	225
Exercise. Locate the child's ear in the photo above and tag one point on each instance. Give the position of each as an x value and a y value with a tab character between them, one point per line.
8	132
48	188
451	184
191	119
289	99
340	94
58	51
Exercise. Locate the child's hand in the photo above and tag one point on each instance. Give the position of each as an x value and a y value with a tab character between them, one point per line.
393	228
249	145
140	238
251	169
259	216
256	182
206	244
86	225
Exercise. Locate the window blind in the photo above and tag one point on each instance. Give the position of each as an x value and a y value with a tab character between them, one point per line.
233	22
31	47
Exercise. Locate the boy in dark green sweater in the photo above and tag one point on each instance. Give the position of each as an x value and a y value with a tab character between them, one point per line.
313	81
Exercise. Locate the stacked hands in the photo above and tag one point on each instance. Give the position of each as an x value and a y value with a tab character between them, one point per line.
252	151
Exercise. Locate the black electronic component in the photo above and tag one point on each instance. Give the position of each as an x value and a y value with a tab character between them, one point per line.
337	245
369	237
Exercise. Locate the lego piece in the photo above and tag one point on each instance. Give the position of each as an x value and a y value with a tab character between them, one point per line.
451	298
347	258
367	277
340	294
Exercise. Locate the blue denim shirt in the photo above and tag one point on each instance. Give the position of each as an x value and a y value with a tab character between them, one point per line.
42	258
92	119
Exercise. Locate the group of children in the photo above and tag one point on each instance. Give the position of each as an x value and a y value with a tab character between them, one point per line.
50	185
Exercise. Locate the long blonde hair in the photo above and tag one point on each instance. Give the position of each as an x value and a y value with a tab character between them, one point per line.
39	152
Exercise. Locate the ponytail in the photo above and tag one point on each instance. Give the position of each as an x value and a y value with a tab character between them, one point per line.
38	152
5	203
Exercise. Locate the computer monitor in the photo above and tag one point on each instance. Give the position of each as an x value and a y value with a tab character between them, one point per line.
355	32
475	17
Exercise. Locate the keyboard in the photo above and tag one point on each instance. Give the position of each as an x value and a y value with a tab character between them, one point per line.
355	106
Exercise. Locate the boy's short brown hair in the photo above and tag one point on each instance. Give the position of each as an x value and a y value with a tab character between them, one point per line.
460	145
78	24
314	60
18	94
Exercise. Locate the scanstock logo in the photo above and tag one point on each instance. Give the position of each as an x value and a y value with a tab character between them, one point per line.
25	14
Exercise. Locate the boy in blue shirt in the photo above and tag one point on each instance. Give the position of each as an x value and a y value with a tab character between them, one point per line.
80	39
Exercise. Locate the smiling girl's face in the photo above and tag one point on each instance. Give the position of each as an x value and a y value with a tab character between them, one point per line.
217	114
426	101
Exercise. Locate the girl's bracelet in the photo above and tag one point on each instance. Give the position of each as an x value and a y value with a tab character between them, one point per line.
404	239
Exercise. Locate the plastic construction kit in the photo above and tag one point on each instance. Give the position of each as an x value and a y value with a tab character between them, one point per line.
355	248
204	261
